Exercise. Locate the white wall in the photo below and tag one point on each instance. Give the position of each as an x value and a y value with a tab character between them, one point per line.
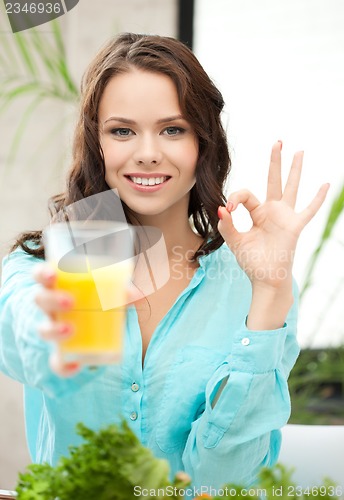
280	67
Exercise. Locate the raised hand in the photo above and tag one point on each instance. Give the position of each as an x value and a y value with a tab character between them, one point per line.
266	251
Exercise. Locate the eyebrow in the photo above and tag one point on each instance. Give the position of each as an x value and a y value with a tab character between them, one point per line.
132	122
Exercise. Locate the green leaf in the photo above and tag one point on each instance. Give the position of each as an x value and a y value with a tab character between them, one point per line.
21	129
40	70
14	93
335	212
107	466
26	57
58	38
109	463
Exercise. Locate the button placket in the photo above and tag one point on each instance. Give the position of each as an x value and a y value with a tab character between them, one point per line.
134	387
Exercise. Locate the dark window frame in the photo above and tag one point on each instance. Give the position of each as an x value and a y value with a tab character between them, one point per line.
186	9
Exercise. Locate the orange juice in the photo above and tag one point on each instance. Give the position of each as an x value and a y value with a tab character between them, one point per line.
98	314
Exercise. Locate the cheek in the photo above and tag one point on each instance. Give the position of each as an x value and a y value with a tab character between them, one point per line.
114	157
186	156
191	155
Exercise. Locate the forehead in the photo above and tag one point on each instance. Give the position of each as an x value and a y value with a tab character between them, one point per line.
140	92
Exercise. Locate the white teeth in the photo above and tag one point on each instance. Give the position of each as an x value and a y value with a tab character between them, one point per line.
150	181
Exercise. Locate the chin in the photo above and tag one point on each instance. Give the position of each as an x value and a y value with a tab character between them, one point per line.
147	213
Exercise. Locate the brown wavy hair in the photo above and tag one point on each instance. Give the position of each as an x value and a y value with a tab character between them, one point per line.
201	105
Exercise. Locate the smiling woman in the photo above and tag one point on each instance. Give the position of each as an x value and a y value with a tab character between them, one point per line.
203	381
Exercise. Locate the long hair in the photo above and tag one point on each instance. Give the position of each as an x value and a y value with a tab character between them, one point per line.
201	105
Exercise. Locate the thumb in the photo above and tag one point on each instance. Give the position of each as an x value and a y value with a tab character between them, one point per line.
227	229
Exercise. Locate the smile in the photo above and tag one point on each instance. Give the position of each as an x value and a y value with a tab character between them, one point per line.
147	184
148	181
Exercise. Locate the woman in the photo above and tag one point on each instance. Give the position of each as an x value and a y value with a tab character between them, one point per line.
203	381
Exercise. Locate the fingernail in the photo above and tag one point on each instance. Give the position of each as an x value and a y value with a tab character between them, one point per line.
66	303
72	366
219	214
229	206
49	275
281	144
65	330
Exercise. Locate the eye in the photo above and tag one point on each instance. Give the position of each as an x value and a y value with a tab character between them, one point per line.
121	132
173	131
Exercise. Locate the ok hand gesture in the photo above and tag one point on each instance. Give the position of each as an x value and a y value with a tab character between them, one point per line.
266	251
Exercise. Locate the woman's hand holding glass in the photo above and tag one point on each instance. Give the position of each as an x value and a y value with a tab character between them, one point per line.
52	302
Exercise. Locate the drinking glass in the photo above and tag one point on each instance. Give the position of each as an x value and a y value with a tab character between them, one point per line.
94	262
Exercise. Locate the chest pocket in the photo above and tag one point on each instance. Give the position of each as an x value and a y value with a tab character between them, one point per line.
184	395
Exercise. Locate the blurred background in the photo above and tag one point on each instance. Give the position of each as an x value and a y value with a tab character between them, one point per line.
280	68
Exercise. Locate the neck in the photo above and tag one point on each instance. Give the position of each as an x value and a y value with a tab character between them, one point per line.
175	227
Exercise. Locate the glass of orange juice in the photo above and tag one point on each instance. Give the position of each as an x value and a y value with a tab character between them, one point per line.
94	262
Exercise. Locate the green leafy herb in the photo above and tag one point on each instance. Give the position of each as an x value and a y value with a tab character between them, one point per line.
107	466
112	464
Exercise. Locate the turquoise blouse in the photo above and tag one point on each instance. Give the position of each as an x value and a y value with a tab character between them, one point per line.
201	341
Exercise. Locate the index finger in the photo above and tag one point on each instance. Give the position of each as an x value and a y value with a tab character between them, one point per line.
44	274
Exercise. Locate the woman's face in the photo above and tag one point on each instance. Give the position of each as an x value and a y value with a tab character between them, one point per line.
150	150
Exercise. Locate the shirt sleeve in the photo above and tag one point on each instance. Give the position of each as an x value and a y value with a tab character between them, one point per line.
239	434
24	356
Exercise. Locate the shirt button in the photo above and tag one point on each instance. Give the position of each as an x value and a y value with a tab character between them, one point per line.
135	387
133	415
245	341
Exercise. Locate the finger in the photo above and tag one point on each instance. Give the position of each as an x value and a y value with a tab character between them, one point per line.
274	189
45	274
52	301
227	229
308	213
244	197
292	185
63	369
52	330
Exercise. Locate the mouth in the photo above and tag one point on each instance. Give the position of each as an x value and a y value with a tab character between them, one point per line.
148	183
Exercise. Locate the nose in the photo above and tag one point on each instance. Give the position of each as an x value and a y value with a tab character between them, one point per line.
148	152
